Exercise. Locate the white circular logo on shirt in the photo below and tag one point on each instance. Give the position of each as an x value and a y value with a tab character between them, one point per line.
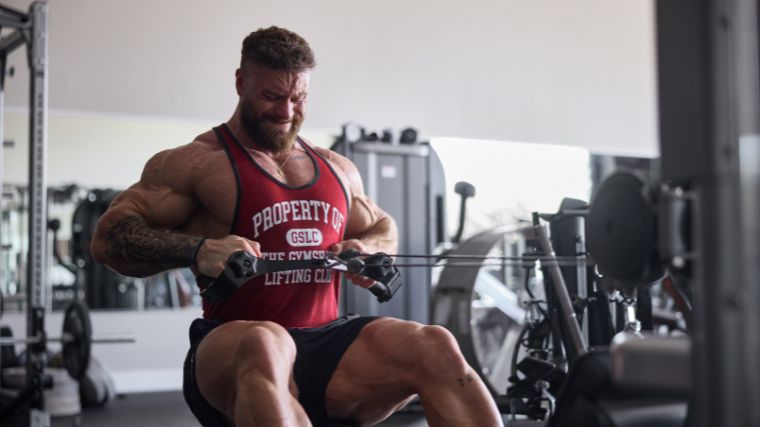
300	237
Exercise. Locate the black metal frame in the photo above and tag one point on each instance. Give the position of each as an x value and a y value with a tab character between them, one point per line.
32	29
709	107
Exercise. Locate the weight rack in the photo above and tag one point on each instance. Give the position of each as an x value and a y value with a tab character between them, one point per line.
31	29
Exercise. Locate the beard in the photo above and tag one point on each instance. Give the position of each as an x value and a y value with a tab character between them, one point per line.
268	138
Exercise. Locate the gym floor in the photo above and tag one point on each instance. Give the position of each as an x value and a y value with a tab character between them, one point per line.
168	409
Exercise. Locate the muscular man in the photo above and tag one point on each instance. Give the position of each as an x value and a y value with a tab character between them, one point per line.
276	353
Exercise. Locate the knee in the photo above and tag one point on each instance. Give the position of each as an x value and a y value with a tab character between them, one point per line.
438	353
265	345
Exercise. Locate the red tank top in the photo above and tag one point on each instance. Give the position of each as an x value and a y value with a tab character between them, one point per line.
289	223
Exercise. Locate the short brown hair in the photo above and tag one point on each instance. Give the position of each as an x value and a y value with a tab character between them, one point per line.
277	48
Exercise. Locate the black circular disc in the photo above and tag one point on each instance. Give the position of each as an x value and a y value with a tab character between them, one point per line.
77	333
621	228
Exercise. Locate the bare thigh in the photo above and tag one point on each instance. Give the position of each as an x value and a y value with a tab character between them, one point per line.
375	377
225	352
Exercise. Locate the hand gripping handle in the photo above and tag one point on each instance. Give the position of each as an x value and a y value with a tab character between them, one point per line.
378	267
241	267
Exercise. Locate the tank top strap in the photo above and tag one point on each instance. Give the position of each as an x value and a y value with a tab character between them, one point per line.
236	157
325	165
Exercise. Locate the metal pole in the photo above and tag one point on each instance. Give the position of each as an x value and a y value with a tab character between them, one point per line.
38	155
37	274
746	74
577	343
3	58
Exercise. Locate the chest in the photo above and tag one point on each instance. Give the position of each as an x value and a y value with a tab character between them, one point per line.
244	186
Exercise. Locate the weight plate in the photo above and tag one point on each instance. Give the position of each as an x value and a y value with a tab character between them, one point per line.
77	334
622	230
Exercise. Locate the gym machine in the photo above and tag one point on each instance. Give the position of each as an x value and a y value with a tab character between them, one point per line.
27	406
709	98
406	179
526	307
31	29
103	287
698	223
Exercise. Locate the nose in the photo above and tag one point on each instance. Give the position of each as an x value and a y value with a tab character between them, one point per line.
285	109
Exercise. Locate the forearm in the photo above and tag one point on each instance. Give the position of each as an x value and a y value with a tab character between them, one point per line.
382	237
133	247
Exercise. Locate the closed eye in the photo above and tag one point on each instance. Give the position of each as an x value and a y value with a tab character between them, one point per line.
272	96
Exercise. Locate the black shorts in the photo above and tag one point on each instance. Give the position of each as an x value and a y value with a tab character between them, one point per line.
318	351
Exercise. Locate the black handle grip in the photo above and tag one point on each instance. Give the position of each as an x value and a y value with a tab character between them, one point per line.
382	292
241	266
387	278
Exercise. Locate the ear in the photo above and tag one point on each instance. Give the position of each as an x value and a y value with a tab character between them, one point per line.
239	81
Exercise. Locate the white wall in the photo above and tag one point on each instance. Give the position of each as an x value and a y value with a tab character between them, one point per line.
575	72
102	150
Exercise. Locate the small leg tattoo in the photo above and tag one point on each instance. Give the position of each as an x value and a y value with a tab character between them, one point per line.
464	381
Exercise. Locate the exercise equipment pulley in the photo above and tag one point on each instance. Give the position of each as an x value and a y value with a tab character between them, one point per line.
473	260
243	266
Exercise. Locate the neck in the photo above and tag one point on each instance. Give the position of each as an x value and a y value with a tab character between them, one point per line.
245	139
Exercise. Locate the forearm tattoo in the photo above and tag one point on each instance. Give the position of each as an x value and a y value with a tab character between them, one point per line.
149	249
